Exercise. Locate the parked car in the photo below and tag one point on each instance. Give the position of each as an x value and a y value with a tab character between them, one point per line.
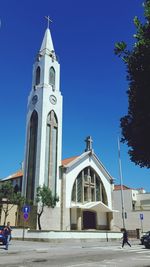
2	237
144	236
147	241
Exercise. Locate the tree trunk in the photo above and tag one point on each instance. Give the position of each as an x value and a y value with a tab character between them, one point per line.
5	217
39	222
39	216
6	214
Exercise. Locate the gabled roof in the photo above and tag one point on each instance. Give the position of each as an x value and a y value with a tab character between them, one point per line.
68	160
14	175
71	161
124	187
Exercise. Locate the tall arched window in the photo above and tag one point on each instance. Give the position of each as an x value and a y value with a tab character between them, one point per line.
88	187
52	76
51	151
32	156
38	73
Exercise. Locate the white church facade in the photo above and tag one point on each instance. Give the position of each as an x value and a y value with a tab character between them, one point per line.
85	198
82	183
87	194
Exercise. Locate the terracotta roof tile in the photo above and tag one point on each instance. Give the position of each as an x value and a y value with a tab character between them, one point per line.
14	175
118	187
68	160
17	174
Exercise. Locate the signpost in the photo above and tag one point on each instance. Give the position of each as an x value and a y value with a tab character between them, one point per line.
141	218
26	210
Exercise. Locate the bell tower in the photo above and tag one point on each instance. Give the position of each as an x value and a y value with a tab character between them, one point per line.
43	148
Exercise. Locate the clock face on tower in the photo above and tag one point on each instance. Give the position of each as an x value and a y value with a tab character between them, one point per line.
53	99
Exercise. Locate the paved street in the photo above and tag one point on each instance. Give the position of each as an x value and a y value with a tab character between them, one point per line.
93	254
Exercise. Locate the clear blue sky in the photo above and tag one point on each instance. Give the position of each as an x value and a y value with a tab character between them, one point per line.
93	79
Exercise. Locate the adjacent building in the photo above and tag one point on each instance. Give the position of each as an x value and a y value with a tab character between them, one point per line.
136	206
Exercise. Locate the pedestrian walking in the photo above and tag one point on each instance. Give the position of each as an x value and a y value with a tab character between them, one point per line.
125	238
7	234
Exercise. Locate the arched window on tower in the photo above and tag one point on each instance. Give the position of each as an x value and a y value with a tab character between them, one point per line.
32	155
38	73
52	77
51	151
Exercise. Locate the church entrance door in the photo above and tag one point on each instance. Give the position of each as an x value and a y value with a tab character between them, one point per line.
89	220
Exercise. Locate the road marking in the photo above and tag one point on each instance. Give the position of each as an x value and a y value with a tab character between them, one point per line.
140	259
41	250
146	251
138	250
92	264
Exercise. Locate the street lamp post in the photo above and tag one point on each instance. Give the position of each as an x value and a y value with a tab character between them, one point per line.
121	185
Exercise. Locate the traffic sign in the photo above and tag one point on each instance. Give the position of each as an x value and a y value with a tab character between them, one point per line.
141	216
25	216
26	208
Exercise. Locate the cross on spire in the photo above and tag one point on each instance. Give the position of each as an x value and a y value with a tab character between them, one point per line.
48	21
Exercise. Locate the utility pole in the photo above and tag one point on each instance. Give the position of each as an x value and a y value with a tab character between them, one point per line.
121	185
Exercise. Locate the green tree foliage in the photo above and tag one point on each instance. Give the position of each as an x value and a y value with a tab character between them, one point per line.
44	197
135	125
9	198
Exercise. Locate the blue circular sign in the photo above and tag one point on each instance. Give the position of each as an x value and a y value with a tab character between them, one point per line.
26	209
25	216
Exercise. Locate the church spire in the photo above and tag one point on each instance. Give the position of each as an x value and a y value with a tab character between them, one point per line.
47	43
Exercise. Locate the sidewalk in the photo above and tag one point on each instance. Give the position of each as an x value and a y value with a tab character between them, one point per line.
17	246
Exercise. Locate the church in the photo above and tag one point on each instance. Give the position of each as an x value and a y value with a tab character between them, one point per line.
82	183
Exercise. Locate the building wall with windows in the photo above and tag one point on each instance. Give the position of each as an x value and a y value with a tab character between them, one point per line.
13	212
136	203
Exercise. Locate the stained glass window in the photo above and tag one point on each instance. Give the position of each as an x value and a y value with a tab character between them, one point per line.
51	151
32	155
88	187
